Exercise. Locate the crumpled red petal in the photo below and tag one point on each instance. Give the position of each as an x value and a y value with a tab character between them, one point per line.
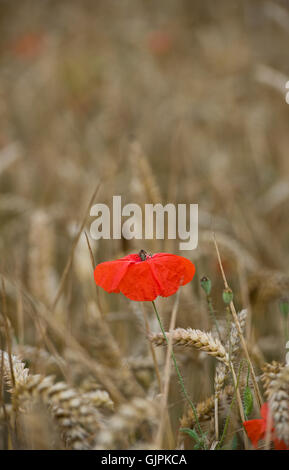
255	430
109	274
139	283
171	272
280	445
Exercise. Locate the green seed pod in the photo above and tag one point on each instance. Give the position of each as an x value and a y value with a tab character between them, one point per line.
227	295
248	401
206	284
284	306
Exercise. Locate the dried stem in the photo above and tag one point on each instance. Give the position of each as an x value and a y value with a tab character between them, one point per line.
165	416
181	381
243	342
71	254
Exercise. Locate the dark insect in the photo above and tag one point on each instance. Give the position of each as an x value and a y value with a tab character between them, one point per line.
143	255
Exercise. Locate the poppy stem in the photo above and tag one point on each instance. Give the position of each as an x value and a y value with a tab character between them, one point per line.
286	332
181	381
212	314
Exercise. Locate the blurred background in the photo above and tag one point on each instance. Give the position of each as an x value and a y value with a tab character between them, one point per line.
168	101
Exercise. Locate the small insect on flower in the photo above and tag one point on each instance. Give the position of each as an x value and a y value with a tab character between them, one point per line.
256	430
143	277
143	255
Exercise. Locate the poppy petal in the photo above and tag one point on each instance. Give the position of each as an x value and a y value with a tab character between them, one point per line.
171	272
254	430
139	283
109	274
280	445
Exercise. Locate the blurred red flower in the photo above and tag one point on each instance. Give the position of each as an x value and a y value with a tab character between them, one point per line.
144	277
28	45
256	430
160	42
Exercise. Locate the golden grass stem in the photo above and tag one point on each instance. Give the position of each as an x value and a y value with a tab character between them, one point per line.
93	264
74	245
165	415
269	424
181	381
242	339
105	326
8	339
216	411
152	350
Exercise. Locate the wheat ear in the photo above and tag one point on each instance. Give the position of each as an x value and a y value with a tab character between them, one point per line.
279	405
194	338
75	414
271	372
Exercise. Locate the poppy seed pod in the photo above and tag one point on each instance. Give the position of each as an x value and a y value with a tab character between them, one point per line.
227	295
206	284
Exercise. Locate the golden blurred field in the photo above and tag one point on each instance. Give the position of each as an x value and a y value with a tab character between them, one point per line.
158	101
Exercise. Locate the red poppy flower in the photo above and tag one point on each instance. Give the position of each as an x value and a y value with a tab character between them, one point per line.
29	45
256	430
144	277
160	42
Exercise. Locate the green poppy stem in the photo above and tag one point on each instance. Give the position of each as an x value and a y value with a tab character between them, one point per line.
212	314
286	332
181	381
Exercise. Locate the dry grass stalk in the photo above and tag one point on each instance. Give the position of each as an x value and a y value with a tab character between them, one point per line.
205	409
108	343
219	381
165	419
232	346
143	181
152	351
42	312
40	255
242	339
266	286
234	343
121	429
71	254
